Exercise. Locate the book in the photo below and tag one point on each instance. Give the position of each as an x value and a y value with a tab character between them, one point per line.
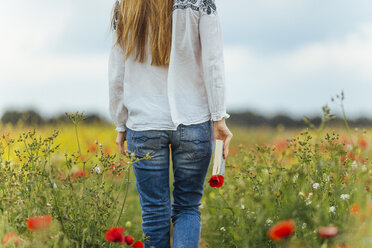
218	160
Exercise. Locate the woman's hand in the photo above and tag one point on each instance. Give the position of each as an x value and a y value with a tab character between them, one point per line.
221	132
120	139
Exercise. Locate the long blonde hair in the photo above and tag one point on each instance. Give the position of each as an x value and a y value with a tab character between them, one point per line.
135	21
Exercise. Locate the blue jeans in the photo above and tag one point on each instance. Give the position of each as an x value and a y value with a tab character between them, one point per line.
191	150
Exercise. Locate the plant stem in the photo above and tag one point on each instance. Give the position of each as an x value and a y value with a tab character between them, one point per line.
346	123
77	138
79	148
56	205
125	197
228	205
117	198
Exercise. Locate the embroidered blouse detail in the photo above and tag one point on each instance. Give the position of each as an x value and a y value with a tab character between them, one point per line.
190	90
183	4
115	21
206	6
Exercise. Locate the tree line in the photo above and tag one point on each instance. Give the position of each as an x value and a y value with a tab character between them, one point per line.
247	119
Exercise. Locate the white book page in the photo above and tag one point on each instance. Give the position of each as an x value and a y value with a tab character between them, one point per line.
218	160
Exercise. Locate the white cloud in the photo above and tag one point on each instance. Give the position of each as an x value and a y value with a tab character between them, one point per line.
31	28
42	62
306	77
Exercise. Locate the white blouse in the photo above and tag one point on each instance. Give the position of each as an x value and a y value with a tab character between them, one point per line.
190	90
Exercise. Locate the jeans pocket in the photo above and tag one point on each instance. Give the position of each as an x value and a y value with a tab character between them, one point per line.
145	142
195	140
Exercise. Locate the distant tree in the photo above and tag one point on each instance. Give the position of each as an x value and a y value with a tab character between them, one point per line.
93	118
284	120
29	117
246	119
11	117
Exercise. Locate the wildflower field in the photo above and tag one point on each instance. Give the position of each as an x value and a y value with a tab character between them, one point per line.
66	186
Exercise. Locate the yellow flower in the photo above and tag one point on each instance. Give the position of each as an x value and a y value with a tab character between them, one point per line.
128	224
211	195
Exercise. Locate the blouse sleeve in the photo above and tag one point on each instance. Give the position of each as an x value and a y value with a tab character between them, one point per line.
213	59
116	69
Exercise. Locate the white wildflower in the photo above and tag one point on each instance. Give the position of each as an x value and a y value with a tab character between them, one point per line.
54	185
364	167
223	229
295	177
345	196
354	164
310	195
48	204
308	201
349	147
265	171
332	209
269	222
304	225
316	185
242	206
201	206
97	170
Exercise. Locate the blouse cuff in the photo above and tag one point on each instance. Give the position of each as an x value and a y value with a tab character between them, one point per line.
121	129
219	116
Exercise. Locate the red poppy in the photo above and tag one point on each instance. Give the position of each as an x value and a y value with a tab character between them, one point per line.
115	234
106	151
281	145
129	239
93	147
362	160
343	158
363	143
351	156
354	209
9	237
216	181
138	244
79	174
82	157
281	230
327	231
39	222
346	178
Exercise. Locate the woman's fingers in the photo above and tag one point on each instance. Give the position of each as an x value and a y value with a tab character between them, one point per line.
222	132
122	149
120	142
226	144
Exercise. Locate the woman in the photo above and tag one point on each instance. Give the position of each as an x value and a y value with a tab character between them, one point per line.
167	97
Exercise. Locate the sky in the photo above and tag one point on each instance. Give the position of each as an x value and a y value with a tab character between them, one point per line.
281	56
